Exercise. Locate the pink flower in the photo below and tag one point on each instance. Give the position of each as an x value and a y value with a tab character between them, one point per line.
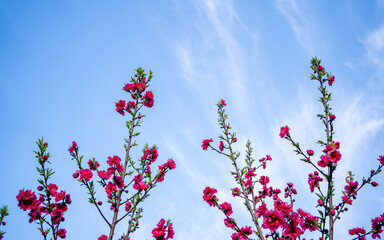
60	196
273	220
324	161
139	185
120	105
127	206
86	174
248	183
150	154
284	131
115	160
148	99
76	174
61	233
209	196
321	69
119	181
111	187
283	206
130	105
310	152
104	175
332	117
249	174
140	86
73	147
27	200
314	180
261	210
221	146
357	231
159	231
229	222
236	192
347	199
93	164
171	233
52	189
58	213
103	237
119	168
308	221
335	156
130	87
68	199
206	143
264	180
170	164
377	224
381	159
351	187
226	208
291	229
246	230
331	80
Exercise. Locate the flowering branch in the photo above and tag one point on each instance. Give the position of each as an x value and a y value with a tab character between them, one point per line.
50	207
113	179
293	224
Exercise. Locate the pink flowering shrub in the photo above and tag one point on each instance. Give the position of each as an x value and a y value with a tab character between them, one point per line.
127	182
48	208
272	210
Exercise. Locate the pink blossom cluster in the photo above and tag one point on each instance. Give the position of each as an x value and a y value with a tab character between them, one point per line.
332	155
136	88
163	231
51	203
111	178
314	180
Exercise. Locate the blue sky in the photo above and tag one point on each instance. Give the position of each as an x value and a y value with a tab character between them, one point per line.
63	64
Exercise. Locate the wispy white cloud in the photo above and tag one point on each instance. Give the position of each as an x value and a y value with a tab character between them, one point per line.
187	67
222	72
374	45
298	21
356	128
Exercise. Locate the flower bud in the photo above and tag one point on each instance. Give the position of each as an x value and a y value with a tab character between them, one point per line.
45	144
99	203
40	188
375	184
75	175
310	152
45	157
